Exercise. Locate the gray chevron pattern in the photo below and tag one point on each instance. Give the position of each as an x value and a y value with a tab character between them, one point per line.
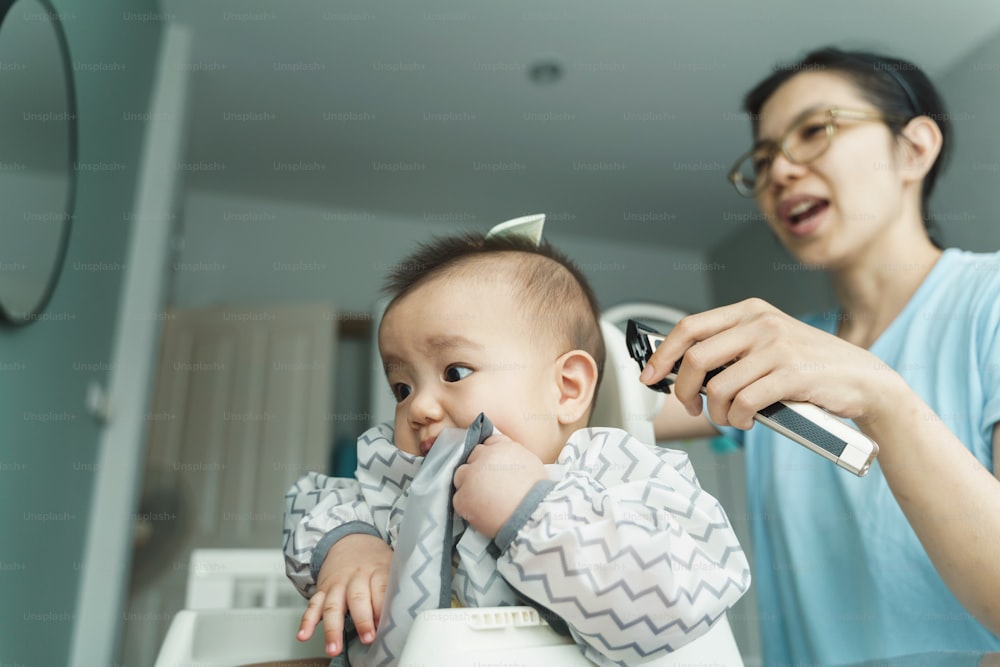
422	580
627	548
477	582
646	571
313	505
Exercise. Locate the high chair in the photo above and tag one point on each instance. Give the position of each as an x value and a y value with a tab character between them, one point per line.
441	637
240	609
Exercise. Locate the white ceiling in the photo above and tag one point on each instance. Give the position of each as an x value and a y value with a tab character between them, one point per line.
425	110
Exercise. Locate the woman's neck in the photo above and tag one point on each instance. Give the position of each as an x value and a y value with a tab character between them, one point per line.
875	287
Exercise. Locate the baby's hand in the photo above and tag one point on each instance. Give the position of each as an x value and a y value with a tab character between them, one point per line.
353	578
492	483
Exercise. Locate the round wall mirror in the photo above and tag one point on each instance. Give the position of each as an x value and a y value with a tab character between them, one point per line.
37	156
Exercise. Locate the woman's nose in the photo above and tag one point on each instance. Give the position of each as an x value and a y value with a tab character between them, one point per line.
783	171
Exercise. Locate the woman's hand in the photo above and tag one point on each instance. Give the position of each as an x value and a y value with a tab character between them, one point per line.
771	356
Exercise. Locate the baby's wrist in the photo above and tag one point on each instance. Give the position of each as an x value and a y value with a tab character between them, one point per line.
327	542
505	535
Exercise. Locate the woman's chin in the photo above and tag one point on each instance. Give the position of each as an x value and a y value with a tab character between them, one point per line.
814	257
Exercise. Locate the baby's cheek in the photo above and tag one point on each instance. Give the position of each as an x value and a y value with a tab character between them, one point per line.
404	438
544	443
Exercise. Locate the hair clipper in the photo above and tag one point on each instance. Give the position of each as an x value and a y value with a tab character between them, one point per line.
809	425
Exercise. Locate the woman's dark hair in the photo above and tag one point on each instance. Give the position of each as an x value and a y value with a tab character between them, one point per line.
896	87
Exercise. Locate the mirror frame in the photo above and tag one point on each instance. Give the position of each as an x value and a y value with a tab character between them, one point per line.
6	318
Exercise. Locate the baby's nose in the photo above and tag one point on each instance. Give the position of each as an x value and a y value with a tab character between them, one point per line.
425	407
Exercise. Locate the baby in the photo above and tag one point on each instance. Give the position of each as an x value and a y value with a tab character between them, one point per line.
609	535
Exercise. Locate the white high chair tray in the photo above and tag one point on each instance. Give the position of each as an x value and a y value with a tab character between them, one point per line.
233	637
518	636
443	638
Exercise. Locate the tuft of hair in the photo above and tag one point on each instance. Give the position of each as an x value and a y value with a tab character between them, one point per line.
896	87
552	289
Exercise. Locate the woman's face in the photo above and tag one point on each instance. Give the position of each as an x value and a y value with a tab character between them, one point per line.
845	201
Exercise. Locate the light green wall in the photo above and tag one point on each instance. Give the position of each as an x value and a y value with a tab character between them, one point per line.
47	440
757	265
966	206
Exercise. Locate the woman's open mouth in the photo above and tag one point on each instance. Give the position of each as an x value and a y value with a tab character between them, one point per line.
802	214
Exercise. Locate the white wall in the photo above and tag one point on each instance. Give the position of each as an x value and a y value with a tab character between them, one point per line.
757	265
253	251
242	251
967	204
238	250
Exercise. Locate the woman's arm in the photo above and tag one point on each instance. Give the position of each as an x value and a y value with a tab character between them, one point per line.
673	422
949	498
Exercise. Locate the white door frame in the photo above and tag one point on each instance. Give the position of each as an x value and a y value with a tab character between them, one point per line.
108	550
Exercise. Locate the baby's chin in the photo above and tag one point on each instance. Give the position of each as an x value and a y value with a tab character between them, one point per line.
407	445
410	448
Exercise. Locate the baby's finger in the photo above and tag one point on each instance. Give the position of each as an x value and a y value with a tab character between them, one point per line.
458	478
478	451
333	621
380	583
359	602
496	438
311	616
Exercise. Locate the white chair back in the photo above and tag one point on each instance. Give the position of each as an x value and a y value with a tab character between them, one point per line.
622	401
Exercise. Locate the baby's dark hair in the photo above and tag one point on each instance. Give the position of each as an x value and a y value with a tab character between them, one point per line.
897	88
551	288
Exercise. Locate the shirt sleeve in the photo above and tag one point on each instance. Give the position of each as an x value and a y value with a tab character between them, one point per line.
320	510
988	343
627	548
317	510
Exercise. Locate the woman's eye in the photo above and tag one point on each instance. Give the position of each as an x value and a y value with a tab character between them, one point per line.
401	391
456	373
812	131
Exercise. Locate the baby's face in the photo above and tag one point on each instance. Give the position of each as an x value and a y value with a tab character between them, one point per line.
455	347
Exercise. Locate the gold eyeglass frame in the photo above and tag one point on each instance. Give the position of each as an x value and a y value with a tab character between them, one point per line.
833	113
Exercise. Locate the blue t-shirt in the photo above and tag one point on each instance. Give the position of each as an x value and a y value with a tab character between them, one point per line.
840	575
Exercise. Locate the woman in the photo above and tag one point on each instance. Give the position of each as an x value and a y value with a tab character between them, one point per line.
906	560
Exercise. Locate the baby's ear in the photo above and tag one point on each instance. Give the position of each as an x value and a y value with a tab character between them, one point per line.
576	375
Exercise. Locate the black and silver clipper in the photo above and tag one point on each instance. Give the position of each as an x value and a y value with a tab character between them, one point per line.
809	425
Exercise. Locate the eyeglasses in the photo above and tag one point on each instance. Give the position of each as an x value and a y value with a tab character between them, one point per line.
807	138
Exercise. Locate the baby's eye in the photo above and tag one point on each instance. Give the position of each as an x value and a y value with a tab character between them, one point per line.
456	373
401	391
